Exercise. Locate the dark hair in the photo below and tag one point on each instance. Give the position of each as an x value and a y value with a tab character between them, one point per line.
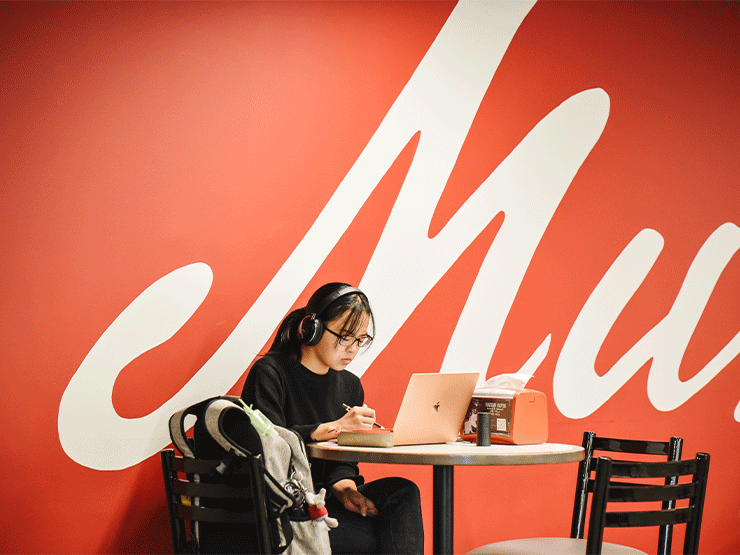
356	303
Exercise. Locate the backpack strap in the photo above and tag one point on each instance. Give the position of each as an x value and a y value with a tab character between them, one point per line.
214	416
216	412
184	443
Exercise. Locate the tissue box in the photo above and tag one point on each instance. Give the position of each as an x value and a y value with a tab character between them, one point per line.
518	417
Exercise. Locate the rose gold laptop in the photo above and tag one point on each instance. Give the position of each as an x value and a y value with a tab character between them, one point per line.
433	408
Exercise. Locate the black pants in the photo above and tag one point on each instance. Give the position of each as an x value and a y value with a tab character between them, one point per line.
397	528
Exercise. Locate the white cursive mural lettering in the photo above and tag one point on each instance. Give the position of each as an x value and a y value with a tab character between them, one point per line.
439	102
665	344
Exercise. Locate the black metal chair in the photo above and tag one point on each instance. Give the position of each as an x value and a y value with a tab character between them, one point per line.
594	445
608	492
216	513
670	450
631	495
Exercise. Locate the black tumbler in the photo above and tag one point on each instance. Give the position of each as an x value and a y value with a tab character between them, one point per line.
484	429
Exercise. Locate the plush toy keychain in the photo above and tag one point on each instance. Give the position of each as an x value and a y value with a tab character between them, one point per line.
317	510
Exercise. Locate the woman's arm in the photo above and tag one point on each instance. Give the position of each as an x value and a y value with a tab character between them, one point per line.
356	418
266	388
265	391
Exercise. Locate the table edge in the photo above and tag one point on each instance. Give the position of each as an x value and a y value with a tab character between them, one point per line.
383	455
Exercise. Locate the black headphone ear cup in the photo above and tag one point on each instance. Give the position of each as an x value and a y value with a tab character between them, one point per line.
310	330
318	331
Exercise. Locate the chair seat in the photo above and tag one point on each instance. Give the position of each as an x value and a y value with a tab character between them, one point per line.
549	546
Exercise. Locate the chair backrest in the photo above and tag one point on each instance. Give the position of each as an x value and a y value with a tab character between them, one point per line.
631	497
593	446
216	513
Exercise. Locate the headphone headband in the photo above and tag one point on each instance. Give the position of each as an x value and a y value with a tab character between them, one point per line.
341	292
310	328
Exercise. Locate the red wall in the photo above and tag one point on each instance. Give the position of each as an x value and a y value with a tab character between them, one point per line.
166	159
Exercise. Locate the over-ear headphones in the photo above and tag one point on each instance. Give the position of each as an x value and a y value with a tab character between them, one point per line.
311	328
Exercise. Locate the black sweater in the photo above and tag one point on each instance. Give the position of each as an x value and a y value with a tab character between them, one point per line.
292	396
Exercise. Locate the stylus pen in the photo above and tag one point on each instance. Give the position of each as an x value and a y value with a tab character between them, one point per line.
348	408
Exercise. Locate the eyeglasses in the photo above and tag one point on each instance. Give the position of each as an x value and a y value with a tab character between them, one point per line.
347	340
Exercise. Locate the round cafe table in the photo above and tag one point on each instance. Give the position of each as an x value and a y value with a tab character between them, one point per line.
444	457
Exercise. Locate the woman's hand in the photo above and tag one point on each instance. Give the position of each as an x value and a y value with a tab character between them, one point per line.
357	418
346	492
326	431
